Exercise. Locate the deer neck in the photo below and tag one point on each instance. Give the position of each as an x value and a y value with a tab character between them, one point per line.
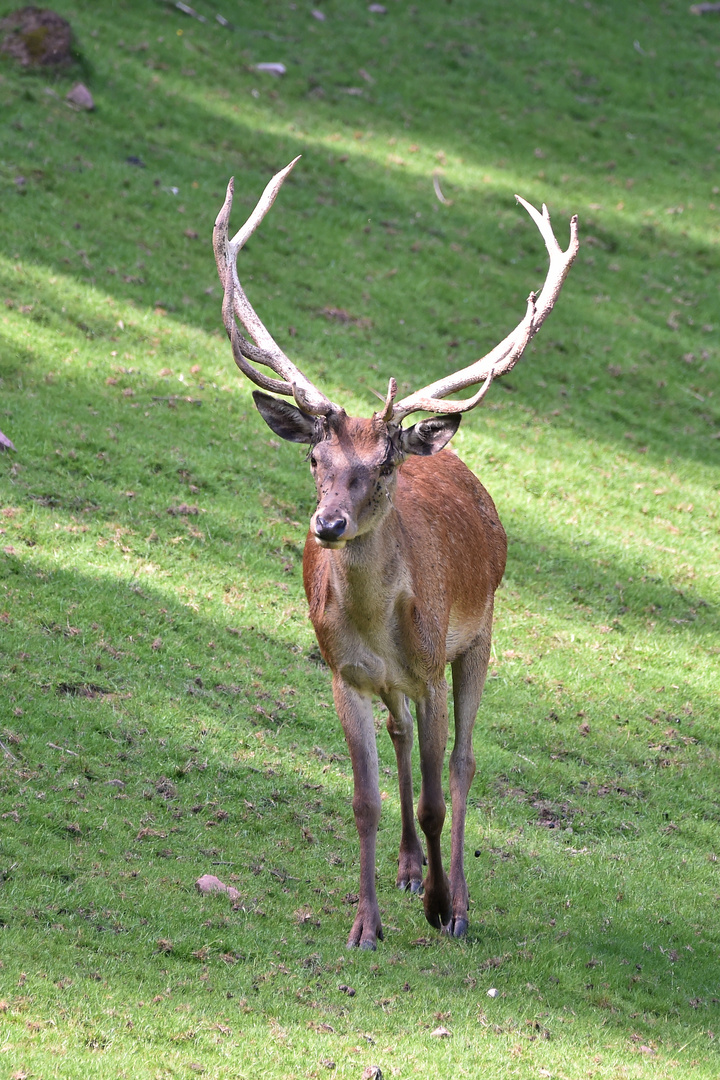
369	571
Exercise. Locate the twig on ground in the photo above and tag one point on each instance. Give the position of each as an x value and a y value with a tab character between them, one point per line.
63	749
7	752
438	191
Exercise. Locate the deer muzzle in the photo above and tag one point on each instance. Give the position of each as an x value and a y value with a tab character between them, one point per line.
330	529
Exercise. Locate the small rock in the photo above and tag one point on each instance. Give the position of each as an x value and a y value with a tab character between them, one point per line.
319	15
377	9
373	1072
440	1033
80	97
208	883
493	992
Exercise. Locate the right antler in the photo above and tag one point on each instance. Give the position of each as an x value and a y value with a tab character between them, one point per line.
292	382
504	356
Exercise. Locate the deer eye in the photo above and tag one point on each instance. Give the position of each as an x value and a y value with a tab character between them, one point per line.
313	461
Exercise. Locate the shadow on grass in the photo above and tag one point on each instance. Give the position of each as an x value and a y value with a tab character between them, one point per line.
369	189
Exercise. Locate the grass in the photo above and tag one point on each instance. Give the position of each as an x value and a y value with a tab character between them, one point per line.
164	711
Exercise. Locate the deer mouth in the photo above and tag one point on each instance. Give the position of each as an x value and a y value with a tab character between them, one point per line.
333	545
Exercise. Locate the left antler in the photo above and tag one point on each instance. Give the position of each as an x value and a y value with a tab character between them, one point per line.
505	355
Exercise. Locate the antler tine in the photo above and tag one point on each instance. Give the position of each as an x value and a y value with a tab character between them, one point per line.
236	305
386	412
504	356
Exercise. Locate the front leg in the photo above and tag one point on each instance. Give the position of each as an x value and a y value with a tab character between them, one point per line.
356	717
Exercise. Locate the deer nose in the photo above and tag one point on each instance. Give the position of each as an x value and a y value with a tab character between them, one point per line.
330	528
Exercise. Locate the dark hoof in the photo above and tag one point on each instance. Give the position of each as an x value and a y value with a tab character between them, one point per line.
362	935
411	885
368	945
434	919
456	928
437	905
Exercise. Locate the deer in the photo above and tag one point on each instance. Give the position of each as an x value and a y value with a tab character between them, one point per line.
403	556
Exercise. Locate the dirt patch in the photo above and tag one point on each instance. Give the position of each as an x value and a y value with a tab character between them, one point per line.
553	815
36	37
346	318
550	814
86	690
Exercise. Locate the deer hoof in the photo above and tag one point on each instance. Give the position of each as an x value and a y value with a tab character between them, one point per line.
365	933
412	885
456	928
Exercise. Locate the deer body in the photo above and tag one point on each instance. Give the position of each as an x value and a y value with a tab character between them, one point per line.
402	559
390	610
403	556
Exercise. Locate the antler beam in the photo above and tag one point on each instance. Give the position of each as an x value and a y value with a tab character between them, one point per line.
263	349
504	356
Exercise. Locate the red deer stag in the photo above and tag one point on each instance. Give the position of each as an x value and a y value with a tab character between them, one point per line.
402	559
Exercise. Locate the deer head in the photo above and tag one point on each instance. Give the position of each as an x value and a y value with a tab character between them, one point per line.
355	461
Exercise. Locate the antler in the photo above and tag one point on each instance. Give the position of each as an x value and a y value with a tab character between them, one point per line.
505	355
265	350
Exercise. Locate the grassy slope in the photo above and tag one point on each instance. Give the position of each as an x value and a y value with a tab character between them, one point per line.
209	750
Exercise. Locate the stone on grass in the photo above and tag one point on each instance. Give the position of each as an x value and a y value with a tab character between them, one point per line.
80	97
208	883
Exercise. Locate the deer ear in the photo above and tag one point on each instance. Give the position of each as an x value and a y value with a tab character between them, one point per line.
286	420
431	435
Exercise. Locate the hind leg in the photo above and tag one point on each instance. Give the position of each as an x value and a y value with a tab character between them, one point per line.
400	728
432	720
468	673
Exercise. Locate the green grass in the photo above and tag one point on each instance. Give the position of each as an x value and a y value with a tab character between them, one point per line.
164	712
